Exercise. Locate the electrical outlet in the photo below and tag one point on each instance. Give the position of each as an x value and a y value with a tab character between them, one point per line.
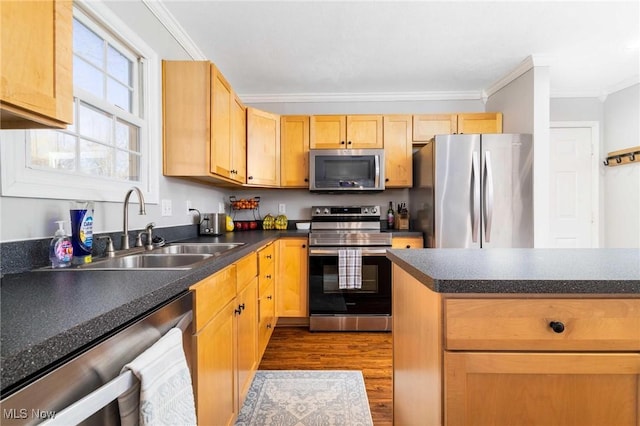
188	207
166	208
282	208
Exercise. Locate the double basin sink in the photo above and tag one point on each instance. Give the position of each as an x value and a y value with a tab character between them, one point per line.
176	256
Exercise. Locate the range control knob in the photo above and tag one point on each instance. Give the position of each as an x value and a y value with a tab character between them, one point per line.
374	210
326	211
317	211
366	210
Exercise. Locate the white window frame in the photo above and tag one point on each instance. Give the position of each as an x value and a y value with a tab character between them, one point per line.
18	180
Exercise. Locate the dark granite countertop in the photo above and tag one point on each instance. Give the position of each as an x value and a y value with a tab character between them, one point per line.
48	317
561	271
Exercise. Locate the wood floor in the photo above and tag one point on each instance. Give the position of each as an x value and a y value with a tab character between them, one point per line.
296	348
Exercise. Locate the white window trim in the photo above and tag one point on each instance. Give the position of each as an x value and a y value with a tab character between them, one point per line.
20	181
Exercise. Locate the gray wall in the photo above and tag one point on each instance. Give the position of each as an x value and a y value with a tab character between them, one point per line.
622	183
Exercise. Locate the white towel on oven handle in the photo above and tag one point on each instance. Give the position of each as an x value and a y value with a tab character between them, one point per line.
349	269
164	394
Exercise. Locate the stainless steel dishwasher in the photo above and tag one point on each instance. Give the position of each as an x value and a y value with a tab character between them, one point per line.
86	375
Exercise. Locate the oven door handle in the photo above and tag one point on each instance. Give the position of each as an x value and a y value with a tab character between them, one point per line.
334	251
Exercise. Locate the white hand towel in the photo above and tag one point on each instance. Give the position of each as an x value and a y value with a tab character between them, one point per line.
164	395
349	269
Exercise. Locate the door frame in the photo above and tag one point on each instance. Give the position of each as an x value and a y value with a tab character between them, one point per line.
595	170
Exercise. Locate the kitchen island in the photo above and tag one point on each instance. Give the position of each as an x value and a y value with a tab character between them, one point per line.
516	336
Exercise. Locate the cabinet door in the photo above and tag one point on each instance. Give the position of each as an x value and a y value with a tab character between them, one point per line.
426	127
294	151
238	141
484	388
221	100
263	148
417	361
36	89
328	132
186	115
215	373
364	131
490	122
398	160
407	242
247	319
292	284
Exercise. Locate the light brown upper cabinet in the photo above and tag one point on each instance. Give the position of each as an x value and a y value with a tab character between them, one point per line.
294	151
221	102
263	148
426	126
346	132
238	140
36	87
398	161
204	124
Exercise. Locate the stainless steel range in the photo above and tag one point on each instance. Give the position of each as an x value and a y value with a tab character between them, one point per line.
351	236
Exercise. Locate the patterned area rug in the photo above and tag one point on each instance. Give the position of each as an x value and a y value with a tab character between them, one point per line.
305	398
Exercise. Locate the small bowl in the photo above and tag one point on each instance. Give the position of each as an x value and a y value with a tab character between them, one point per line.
303	225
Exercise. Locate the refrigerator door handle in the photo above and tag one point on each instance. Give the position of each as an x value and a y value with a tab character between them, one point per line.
488	196
475	188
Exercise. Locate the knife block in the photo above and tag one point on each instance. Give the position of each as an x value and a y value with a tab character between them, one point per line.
402	221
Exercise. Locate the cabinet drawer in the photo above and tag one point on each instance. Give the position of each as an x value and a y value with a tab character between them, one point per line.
407	242
524	324
246	269
266	278
212	294
266	256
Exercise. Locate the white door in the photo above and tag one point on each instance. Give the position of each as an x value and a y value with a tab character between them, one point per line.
573	198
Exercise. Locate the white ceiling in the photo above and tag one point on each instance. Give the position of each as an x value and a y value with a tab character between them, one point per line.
457	47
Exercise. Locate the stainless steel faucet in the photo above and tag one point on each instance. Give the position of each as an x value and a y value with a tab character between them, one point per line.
124	240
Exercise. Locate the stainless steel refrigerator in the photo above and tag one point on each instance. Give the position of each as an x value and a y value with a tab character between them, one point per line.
474	191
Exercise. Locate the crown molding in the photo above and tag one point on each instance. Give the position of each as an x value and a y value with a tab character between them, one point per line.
587	93
631	81
600	94
167	20
528	63
359	97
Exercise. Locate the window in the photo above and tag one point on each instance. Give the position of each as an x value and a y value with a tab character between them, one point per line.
108	148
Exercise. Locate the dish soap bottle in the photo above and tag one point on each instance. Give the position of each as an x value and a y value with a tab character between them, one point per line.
60	249
82	231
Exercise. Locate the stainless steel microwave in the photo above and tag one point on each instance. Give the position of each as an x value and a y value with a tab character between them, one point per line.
338	170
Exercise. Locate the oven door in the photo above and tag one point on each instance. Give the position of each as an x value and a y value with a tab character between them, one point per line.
325	296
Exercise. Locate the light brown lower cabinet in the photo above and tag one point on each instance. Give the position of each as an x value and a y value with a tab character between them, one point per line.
513	359
214	369
266	295
225	341
292	281
530	388
247	323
